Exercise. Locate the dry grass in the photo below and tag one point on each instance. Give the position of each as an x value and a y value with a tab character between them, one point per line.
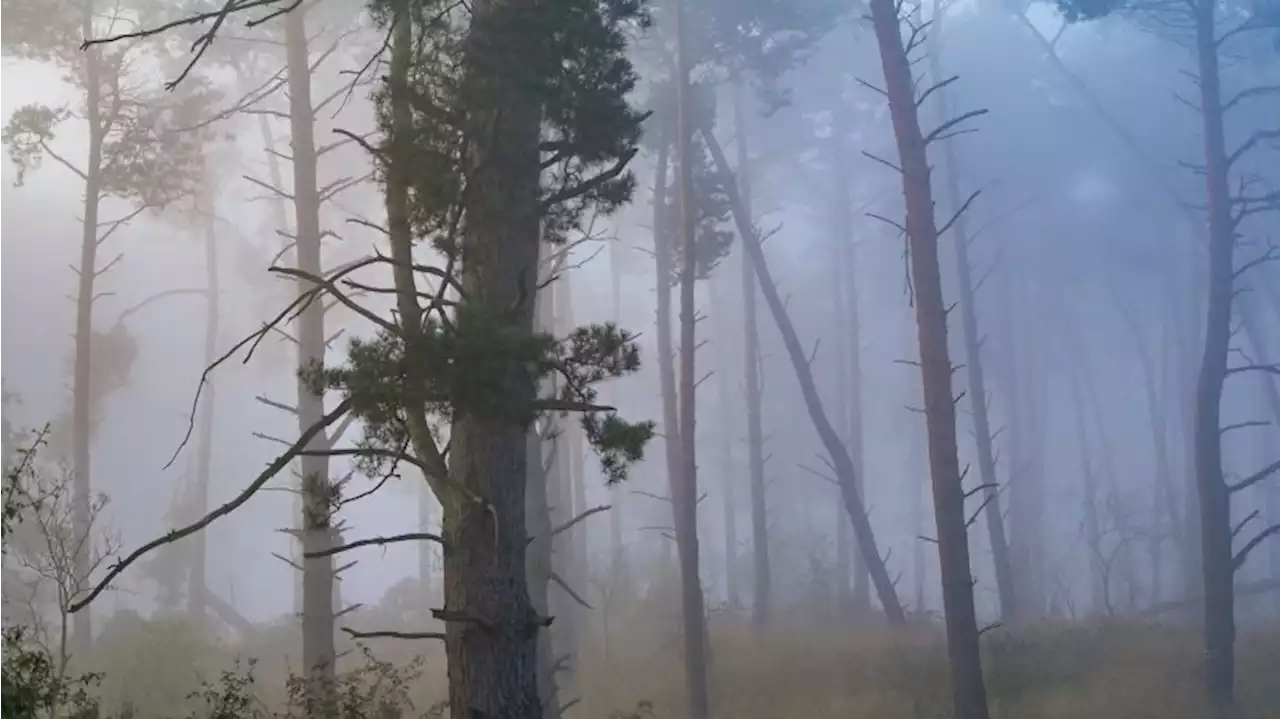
1097	671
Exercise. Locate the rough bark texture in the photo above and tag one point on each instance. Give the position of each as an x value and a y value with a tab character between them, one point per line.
491	626
968	690
318	654
836	450
761	580
1215	505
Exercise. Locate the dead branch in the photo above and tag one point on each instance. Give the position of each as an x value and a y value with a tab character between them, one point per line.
388	634
378	542
559	580
938	132
272	470
570	524
1241	556
1254	478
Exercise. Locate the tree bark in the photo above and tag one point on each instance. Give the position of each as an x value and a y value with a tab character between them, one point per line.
684	492
82	405
968	690
197	584
761	579
318	653
836	450
1215	505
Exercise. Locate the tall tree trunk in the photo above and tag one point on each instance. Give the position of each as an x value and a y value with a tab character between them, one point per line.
761	579
426	563
728	468
1216	560
318	654
82	404
851	367
684	491
918	481
968	690
543	450
839	267
977	386
197	584
1098	591
491	627
619	574
836	450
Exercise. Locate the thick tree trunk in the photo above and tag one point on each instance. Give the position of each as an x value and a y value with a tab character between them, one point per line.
977	386
82	404
836	450
1216	562
491	627
761	588
318	654
684	492
197	583
968	690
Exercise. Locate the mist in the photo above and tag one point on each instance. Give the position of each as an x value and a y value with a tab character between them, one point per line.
684	358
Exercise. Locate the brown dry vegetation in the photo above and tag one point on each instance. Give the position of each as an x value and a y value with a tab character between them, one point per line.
1101	670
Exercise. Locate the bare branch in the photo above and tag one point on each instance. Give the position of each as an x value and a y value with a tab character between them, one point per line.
1241	556
388	634
944	127
570	524
1254	478
376	542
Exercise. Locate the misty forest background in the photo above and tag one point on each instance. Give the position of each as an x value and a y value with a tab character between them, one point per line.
689	358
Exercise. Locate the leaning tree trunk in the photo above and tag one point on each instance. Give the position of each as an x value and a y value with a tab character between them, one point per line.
977	386
761	580
684	489
197	583
1216	560
838	453
968	690
318	654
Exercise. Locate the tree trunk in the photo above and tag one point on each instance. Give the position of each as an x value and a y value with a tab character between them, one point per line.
761	581
543	455
1098	591
1215	505
728	468
491	627
684	492
318	653
82	407
839	455
850	371
968	690
197	584
619	575
977	386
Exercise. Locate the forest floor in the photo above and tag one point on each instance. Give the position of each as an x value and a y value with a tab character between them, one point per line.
1096	670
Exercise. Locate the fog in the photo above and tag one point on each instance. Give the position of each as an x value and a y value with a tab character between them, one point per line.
1077	185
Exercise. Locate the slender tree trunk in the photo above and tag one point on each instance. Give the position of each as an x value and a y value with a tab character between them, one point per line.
968	690
973	340
1215	506
684	495
197	585
1092	527
426	563
318	654
761	578
918	481
619	574
836	450
1215	511
840	266
728	468
543	455
83	405
851	367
